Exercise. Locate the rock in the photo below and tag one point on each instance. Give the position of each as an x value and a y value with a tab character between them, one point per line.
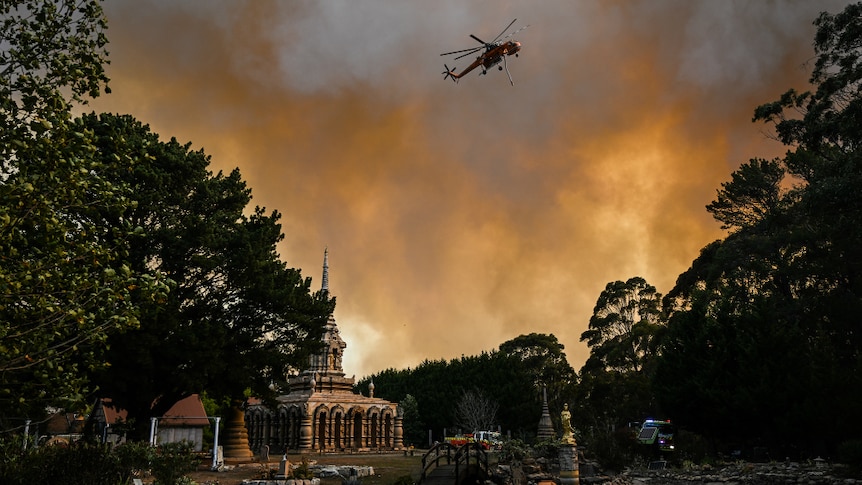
737	473
327	472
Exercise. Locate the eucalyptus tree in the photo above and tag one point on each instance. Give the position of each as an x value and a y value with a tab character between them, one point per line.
622	335
621	332
543	357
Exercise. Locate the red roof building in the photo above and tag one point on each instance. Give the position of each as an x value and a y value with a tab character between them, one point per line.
184	421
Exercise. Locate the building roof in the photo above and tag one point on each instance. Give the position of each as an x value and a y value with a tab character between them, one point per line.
64	423
187	412
112	414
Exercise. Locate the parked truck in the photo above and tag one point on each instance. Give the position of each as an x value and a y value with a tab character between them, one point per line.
658	434
490	440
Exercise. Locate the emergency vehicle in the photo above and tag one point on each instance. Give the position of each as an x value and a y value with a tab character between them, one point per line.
657	433
488	439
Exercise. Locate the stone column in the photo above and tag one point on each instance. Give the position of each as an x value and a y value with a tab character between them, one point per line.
366	426
398	432
236	436
305	431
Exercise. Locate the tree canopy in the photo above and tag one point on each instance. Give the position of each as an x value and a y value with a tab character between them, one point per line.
622	335
621	332
123	260
543	357
64	283
763	328
237	317
414	433
511	377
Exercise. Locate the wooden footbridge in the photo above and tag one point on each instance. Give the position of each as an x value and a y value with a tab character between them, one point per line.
446	464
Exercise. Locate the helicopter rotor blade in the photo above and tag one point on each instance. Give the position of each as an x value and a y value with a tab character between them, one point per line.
472	49
515	32
504	31
467	54
478	39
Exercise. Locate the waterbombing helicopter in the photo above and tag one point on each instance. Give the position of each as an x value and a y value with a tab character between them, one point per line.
495	52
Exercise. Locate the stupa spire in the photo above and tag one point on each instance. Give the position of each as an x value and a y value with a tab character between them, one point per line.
325	284
327	362
546	427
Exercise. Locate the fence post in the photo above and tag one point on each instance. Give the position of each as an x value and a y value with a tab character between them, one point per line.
215	444
26	434
153	431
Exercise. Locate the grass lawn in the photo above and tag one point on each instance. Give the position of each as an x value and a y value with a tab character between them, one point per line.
388	468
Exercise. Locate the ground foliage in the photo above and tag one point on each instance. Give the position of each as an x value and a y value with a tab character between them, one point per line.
87	463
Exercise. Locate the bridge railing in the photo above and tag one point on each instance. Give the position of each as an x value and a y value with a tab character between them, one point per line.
440	451
463	457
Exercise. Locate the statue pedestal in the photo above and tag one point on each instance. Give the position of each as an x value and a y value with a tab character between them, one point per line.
569	464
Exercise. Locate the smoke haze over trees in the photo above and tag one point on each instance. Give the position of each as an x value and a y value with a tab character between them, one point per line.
111	236
516	204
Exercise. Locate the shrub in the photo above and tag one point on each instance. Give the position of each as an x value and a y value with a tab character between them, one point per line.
850	454
302	471
548	449
614	451
404	480
84	463
692	447
10	455
79	463
134	458
172	461
513	451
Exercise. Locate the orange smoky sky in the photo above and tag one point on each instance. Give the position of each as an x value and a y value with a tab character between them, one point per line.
458	217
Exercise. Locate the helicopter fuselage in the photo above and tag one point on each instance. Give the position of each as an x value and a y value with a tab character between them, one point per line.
494	55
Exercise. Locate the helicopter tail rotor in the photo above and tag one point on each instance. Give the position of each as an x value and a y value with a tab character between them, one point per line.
450	73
